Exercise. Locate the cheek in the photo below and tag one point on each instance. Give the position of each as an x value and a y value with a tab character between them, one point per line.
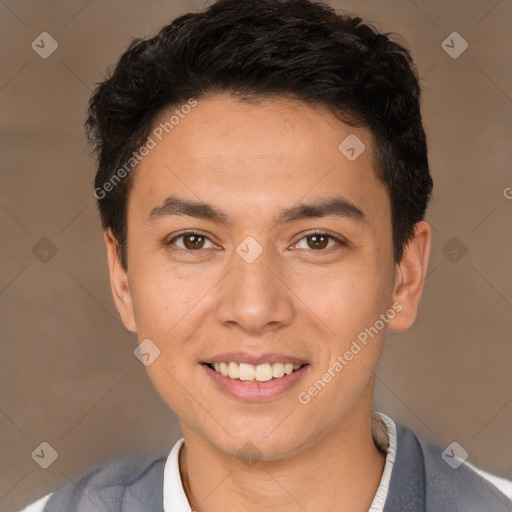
163	297
345	297
169	311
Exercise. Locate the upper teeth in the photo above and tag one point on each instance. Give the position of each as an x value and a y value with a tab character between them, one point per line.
260	373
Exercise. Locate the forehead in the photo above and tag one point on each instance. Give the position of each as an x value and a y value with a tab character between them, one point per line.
221	125
270	152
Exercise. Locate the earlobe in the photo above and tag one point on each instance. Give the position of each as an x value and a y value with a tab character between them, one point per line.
410	277
119	282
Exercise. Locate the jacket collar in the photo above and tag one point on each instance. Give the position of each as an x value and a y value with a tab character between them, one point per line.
407	485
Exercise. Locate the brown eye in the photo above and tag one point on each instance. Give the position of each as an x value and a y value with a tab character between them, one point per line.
189	242
193	241
318	241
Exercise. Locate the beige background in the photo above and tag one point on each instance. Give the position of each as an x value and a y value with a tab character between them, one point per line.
68	374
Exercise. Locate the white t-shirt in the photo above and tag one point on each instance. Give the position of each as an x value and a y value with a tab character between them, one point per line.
384	436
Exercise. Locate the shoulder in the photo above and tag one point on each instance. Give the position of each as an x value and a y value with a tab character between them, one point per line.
451	484
122	484
120	472
504	485
37	506
123	470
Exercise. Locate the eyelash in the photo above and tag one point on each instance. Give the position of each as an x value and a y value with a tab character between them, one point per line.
328	234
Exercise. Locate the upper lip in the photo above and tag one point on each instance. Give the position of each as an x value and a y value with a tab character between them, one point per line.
244	357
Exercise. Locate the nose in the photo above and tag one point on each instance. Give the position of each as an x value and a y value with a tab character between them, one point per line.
254	298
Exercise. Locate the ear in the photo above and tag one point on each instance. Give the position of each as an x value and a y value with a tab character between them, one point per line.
119	282
410	277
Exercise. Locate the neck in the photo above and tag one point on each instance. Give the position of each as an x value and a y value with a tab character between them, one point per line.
343	468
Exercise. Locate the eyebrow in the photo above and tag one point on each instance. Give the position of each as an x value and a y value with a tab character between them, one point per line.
332	206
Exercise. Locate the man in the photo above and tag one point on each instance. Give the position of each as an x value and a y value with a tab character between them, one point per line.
262	183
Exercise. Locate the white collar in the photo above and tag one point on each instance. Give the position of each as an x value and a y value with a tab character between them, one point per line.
384	436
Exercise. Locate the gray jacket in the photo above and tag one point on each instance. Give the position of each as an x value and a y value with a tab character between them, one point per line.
421	481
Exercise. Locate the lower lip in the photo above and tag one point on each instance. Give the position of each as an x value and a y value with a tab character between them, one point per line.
255	391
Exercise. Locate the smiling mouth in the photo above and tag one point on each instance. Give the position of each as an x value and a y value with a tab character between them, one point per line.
251	373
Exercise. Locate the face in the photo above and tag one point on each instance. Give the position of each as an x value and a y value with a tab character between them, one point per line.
253	241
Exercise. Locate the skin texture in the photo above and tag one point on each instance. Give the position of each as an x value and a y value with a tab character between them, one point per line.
251	161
